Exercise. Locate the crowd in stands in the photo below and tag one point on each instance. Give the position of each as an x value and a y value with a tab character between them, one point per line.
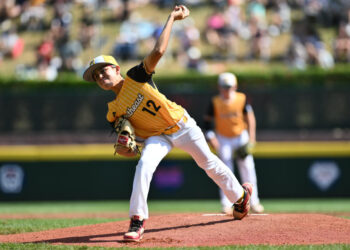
256	22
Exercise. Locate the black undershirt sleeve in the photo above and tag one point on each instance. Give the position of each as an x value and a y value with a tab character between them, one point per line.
138	73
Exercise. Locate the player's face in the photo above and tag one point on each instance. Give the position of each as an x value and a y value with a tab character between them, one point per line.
107	76
225	92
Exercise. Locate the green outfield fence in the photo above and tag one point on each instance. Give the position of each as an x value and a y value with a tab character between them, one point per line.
80	108
88	172
282	102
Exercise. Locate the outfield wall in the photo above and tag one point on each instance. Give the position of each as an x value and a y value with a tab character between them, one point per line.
84	172
78	109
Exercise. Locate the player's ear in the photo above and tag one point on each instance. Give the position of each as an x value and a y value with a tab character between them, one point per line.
117	68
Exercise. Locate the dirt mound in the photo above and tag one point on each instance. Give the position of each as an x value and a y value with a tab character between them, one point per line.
179	230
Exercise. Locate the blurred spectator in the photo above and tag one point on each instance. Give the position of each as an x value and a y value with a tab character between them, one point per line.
33	14
296	56
118	8
316	51
122	9
87	31
307	48
218	35
47	72
43	72
194	60
62	14
11	45
9	9
324	12
188	34
256	10
259	42
341	44
125	48
231	25
281	18
69	54
218	3
61	24
236	24
132	33
68	49
331	13
45	50
188	52
234	16
312	8
164	3
45	67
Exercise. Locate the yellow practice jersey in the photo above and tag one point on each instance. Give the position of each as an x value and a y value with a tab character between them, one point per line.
229	115
148	110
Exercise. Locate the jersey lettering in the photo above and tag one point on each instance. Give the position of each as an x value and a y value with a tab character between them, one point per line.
229	115
135	105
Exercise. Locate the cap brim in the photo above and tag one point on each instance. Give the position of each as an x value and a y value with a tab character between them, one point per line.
87	76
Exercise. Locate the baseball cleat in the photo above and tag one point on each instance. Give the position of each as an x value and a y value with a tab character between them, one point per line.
136	229
257	209
240	210
227	210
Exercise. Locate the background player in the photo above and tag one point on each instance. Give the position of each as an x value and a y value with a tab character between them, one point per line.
235	128
162	124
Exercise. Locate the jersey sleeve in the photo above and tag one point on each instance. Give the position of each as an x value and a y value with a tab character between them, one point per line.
139	74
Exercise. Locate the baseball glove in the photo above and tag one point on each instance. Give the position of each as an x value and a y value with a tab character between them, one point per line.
125	144
243	151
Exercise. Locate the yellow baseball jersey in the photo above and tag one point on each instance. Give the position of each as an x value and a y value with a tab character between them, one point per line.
148	110
229	115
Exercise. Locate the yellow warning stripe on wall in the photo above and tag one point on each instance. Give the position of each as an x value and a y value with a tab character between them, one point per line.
88	152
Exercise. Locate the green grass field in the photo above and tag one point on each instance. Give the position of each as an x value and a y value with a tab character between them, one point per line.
338	207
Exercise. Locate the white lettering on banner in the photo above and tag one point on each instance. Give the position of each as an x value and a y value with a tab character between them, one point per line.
11	178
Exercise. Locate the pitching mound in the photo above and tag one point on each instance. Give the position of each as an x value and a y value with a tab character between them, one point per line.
179	230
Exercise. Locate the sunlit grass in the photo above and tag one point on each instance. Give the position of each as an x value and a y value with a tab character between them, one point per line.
14	226
271	205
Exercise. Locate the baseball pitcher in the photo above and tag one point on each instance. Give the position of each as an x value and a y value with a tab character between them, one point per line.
159	124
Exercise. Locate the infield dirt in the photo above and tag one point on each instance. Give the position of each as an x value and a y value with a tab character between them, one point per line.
194	229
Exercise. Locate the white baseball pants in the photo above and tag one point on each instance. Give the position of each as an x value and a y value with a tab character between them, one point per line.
189	138
246	166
